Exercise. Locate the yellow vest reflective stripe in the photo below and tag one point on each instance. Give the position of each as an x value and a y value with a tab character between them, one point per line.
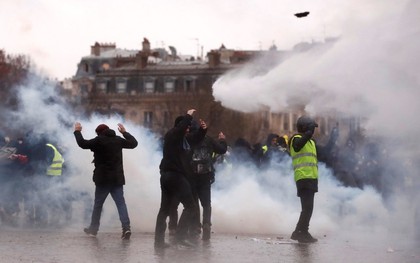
56	167
305	162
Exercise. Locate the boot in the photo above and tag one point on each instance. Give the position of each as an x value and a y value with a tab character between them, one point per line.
306	237
206	232
296	235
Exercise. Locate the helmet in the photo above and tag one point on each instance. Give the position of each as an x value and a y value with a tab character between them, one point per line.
305	123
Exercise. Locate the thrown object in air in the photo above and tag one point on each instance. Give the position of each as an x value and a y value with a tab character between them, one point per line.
302	14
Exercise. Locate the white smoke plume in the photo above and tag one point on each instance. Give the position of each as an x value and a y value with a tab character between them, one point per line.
369	71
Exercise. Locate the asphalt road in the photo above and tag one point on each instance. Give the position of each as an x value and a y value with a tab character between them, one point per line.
72	245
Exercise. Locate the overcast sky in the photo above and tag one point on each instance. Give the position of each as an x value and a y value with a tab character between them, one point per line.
56	34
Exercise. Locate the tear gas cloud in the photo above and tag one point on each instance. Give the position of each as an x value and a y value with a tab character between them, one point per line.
245	200
354	76
42	113
368	72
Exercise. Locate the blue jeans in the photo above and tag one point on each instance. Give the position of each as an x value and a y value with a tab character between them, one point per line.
117	193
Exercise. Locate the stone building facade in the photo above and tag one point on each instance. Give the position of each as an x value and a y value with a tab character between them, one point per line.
151	87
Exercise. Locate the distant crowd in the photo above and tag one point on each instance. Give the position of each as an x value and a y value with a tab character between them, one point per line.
33	189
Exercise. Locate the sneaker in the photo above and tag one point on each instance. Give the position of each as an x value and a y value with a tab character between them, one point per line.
305	237
206	232
126	234
90	232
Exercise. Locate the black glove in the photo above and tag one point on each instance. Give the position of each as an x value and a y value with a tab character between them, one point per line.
212	179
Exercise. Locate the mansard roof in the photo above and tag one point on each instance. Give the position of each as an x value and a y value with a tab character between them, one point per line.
117	52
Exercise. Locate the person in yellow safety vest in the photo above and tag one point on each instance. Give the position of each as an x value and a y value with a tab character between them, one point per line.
305	155
286	139
54	205
56	166
275	150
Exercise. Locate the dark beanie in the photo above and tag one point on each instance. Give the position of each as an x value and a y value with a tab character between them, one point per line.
101	128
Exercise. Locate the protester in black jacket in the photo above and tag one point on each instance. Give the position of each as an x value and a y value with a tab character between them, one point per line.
203	175
174	184
108	174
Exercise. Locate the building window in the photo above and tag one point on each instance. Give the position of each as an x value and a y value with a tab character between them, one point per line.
354	125
101	87
322	126
265	119
86	67
121	86
84	90
189	84
166	119
148	119
169	85
133	114
149	85
294	120
286	122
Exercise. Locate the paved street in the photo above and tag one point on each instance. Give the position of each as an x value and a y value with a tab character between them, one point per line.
74	246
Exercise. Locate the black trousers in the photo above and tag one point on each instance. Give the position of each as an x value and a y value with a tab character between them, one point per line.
175	186
203	193
201	189
307	204
173	214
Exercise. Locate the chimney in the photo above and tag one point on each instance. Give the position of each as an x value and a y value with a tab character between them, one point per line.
141	60
214	58
95	49
146	45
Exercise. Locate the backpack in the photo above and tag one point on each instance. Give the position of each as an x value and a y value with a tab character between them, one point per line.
202	161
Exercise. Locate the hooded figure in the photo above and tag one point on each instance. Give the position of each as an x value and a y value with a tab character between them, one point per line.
177	145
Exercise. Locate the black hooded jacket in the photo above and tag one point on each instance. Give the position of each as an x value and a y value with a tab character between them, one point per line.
176	155
107	152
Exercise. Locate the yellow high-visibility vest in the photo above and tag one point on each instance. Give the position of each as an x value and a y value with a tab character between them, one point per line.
305	162
264	149
56	167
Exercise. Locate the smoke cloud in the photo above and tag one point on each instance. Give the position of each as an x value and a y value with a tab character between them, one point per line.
370	72
245	199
